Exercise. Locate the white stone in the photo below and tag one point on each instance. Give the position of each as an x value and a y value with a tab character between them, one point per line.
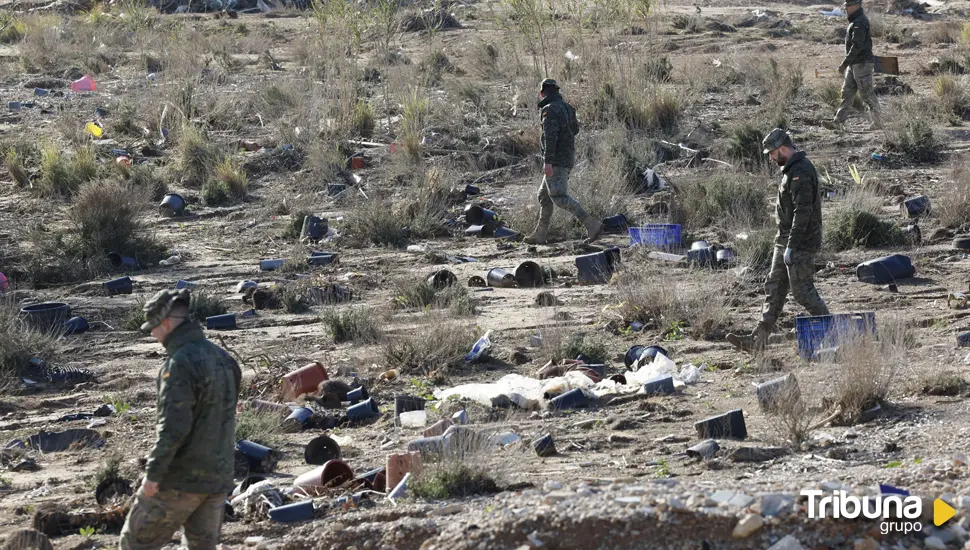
558	496
253	541
448	510
551	486
748	526
787	543
934	543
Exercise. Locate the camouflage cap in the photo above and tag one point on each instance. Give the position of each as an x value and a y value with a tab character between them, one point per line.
158	308
548	83
775	139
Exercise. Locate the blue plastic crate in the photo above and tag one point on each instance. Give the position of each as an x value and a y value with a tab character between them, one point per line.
821	331
657	235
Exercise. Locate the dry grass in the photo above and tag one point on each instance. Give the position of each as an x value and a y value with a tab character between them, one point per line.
262	427
793	421
867	368
679	306
953	206
951	95
420	294
357	325
910	133
415	353
944	32
857	222
61	175
197	156
723	200
19	345
105	216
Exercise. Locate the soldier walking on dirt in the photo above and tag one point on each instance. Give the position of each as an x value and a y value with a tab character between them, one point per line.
559	129
857	67
799	216
190	470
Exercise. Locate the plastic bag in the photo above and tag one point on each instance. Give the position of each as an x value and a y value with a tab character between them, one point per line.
480	348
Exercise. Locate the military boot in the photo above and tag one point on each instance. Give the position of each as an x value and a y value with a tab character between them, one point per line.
593	229
539	236
753	343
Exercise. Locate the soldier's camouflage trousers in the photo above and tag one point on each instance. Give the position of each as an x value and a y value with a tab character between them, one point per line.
554	191
858	79
153	520
799	278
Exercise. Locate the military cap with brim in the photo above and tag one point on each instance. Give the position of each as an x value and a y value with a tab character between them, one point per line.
851	3
775	139
158	308
548	83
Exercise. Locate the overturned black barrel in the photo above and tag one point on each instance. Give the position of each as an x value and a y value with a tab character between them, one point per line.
122	285
529	274
476	215
45	316
442	279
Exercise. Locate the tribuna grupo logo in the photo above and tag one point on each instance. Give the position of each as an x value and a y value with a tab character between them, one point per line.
898	512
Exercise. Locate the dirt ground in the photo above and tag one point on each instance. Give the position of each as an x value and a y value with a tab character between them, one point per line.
916	442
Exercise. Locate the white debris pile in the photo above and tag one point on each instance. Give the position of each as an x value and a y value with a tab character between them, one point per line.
529	393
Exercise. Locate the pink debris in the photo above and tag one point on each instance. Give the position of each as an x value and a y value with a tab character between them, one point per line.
84	84
4	284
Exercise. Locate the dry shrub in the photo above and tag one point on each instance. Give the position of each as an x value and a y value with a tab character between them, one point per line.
356	325
62	175
261	427
951	95
18	345
953	206
105	217
911	135
867	365
563	342
420	294
856	222
829	92
416	353
14	164
723	200
947	383
197	156
674	303
944	32
756	250
657	110
793	420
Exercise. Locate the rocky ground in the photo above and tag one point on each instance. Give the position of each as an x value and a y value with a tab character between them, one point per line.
621	477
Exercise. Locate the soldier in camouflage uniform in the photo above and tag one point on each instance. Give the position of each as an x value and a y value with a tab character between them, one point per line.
559	129
190	470
857	67
799	216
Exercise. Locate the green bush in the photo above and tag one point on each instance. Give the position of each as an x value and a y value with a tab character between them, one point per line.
353	325
913	137
205	304
852	228
452	480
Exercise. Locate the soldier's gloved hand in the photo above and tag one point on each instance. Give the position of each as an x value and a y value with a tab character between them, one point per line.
842	69
788	253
